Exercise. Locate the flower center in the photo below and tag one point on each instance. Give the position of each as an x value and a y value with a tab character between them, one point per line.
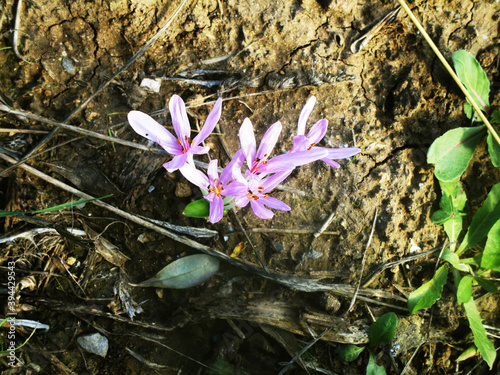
311	146
185	144
216	187
256	197
257	163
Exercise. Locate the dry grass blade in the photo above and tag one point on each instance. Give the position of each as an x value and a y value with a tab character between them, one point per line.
353	299
368	279
148	363
175	351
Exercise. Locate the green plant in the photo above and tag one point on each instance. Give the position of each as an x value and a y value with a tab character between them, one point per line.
52	209
381	333
451	154
2	351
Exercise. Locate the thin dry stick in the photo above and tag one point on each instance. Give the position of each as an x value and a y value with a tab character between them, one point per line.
325	226
283	230
76	130
175	351
5	130
371	276
358	285
303	350
297	283
91	97
148	363
411	358
15	34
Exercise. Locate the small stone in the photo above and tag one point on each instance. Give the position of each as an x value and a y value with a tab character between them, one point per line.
68	65
94	343
183	190
152	85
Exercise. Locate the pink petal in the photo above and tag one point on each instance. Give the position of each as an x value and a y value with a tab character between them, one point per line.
279	163
342	153
275	203
179	117
318	131
304	115
147	127
199	150
331	163
195	176
269	183
176	163
212	171
234	165
259	210
300	143
309	156
235	189
241	201
269	141
247	141
211	121
216	208
294	159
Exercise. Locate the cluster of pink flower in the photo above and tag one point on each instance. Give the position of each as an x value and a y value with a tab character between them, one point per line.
263	173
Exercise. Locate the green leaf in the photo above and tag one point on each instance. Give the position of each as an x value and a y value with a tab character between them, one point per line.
184	272
469	111
453	227
453	259
486	216
348	353
473	77
491	254
372	368
495	117
383	330
493	150
440	216
452	203
464	290
488	285
52	209
199	209
468	353
484	345
221	367
452	151
455	191
425	296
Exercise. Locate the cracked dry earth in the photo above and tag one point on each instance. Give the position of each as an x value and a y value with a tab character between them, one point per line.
266	58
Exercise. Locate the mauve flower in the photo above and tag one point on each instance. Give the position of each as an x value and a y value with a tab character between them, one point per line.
215	185
181	147
258	159
257	193
303	143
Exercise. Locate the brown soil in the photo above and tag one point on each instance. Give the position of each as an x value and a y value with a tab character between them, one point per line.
265	58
